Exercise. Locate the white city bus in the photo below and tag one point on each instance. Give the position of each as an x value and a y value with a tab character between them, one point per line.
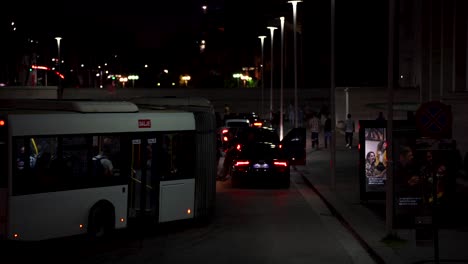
162	164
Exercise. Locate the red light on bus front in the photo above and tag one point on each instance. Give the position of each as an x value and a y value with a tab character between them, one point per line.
122	220
15	235
2	122
189	211
225	138
81	226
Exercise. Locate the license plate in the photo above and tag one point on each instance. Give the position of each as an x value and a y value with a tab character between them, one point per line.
260	166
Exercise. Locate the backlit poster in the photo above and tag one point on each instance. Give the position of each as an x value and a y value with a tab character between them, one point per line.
375	160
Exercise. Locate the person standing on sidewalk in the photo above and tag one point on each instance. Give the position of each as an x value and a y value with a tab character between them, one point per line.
327	131
349	131
314	125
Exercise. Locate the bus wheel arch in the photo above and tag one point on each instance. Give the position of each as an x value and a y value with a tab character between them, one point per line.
101	219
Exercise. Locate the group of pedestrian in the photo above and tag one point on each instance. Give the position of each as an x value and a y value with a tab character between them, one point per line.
314	124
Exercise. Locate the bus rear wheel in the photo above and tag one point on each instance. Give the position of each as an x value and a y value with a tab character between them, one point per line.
100	223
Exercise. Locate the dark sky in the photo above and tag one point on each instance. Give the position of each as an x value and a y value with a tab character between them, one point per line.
142	29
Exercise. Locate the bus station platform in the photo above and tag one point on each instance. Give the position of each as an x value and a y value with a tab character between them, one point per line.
367	221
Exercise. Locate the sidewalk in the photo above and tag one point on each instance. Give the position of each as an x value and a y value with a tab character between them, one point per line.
367	220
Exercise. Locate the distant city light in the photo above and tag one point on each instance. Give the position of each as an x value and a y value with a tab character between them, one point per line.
133	77
166	71
99	66
97	75
12	23
107	72
14	29
204	7
146	65
173	84
401	76
105	64
203	41
115	56
100	86
159	84
82	65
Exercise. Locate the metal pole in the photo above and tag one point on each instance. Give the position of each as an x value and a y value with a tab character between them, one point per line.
332	100
454	46
272	31
60	90
294	6
262	109
441	88
282	80
430	50
390	79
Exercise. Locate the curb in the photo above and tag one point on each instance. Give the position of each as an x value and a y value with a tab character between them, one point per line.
372	253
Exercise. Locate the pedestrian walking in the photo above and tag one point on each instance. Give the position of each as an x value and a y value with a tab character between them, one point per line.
327	131
314	125
349	131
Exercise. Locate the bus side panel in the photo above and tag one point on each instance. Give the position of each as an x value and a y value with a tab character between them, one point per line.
60	214
3	211
206	166
176	200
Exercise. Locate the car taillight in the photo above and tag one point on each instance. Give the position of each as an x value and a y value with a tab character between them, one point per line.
242	166
258	124
281	166
238	147
225	131
225	138
242	163
280	163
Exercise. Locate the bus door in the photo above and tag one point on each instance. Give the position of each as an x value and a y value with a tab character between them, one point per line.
3	175
143	185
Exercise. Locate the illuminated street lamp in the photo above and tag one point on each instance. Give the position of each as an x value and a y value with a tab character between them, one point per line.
262	42
294	6
237	76
186	78
133	78
123	80
272	33
282	80
59	63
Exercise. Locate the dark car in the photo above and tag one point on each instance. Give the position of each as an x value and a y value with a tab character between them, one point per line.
258	154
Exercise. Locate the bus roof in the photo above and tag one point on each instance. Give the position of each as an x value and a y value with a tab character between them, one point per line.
70	105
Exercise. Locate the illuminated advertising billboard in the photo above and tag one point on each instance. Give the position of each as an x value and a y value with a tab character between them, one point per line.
375	164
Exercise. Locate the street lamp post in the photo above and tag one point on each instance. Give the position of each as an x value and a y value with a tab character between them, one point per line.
60	90
262	41
272	33
282	80
294	6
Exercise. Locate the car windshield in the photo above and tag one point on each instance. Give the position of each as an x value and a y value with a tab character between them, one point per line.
258	135
237	124
261	150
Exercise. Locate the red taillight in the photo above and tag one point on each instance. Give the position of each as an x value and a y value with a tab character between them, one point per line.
238	147
359	146
258	124
225	131
2	122
281	163
280	146
242	163
225	138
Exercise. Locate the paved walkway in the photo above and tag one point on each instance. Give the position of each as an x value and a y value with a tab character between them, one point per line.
367	220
